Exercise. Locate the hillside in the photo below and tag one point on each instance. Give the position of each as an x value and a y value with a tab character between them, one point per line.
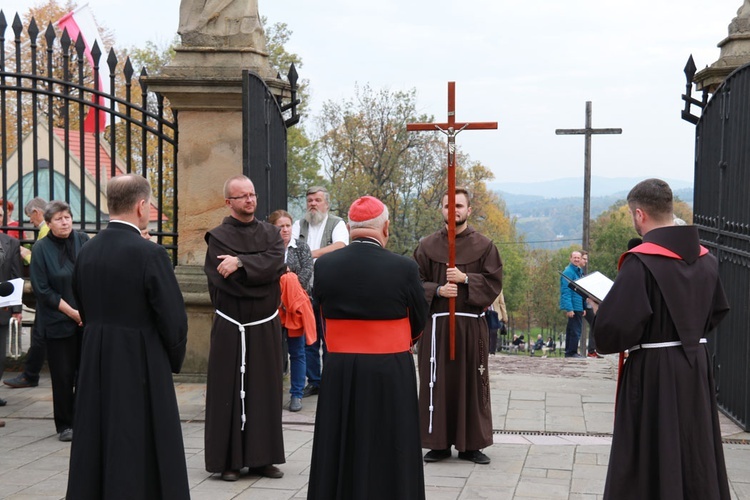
552	222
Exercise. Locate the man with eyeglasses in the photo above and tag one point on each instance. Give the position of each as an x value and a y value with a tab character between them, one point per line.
244	261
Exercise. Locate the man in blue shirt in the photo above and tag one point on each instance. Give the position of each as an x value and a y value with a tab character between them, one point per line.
572	304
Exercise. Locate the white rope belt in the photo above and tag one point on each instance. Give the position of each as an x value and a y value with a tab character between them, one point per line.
659	345
244	350
433	355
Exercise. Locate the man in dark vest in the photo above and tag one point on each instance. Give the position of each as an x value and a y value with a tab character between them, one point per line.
323	233
667	297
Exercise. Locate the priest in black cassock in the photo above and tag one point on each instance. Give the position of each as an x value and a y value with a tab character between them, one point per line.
462	415
128	440
244	261
667	297
366	441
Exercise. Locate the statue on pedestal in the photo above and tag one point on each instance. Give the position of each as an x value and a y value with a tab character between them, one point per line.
221	23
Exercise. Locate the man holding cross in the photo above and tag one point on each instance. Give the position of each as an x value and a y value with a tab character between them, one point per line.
456	411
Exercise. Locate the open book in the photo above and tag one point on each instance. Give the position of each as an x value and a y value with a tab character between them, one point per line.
594	286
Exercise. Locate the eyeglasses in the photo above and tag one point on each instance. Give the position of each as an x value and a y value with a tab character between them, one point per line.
248	196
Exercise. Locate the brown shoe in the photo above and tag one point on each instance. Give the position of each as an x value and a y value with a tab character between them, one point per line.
267	471
230	475
2	423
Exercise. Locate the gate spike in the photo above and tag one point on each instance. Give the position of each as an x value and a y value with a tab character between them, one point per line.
128	70
112	61
3	24
33	31
96	53
50	35
80	46
65	41
690	69
17	26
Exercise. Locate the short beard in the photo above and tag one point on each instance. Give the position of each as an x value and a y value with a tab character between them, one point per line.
458	222
314	218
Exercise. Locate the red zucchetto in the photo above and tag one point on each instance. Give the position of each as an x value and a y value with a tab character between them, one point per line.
365	208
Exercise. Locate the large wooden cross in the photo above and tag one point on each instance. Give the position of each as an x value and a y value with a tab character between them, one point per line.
451	128
588	131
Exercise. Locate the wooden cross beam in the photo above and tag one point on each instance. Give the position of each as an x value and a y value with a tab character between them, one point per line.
451	128
588	131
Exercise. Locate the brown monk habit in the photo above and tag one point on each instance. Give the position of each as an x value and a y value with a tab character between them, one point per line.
251	293
667	441
461	397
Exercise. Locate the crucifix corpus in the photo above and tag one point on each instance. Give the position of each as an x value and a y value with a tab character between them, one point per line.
451	128
588	131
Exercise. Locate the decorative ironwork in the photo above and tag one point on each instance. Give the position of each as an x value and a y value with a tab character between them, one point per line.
46	93
722	214
687	115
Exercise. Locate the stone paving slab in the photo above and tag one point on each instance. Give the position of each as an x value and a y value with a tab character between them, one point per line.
553	421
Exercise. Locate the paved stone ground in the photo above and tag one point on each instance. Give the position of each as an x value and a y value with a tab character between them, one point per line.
553	422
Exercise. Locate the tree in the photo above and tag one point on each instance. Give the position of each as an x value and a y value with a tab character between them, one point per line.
366	149
610	233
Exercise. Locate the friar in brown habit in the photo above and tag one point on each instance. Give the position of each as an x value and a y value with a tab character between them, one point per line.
667	297
244	262
460	396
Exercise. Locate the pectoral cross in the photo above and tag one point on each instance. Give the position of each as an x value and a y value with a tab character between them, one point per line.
481	369
451	129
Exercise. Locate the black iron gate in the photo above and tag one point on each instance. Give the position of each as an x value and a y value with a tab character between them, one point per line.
722	214
264	140
65	132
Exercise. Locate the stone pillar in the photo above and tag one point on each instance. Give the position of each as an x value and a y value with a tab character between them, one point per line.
204	86
735	52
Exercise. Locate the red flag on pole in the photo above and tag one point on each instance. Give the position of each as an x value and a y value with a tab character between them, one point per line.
81	21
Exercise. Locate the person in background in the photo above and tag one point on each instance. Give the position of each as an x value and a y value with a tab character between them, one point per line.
300	262
537	345
29	377
572	305
57	316
590	314
323	232
10	268
6	211
549	346
500	315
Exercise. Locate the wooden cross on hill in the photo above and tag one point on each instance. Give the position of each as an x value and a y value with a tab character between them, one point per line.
587	131
451	128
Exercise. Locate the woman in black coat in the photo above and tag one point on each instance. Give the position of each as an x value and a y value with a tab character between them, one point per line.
57	316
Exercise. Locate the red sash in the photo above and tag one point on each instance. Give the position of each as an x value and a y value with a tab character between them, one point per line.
649	248
364	336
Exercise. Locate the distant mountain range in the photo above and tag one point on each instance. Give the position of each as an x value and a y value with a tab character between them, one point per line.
548	214
573	186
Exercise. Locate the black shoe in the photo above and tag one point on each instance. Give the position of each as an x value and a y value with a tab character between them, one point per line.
267	471
437	455
230	475
20	381
574	355
66	435
310	390
3	402
475	456
295	404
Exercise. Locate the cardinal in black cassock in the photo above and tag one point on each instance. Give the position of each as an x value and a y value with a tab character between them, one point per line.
367	443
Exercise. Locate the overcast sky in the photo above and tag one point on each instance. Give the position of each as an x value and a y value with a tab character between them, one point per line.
529	65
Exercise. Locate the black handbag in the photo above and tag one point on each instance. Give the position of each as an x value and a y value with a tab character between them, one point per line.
493	320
